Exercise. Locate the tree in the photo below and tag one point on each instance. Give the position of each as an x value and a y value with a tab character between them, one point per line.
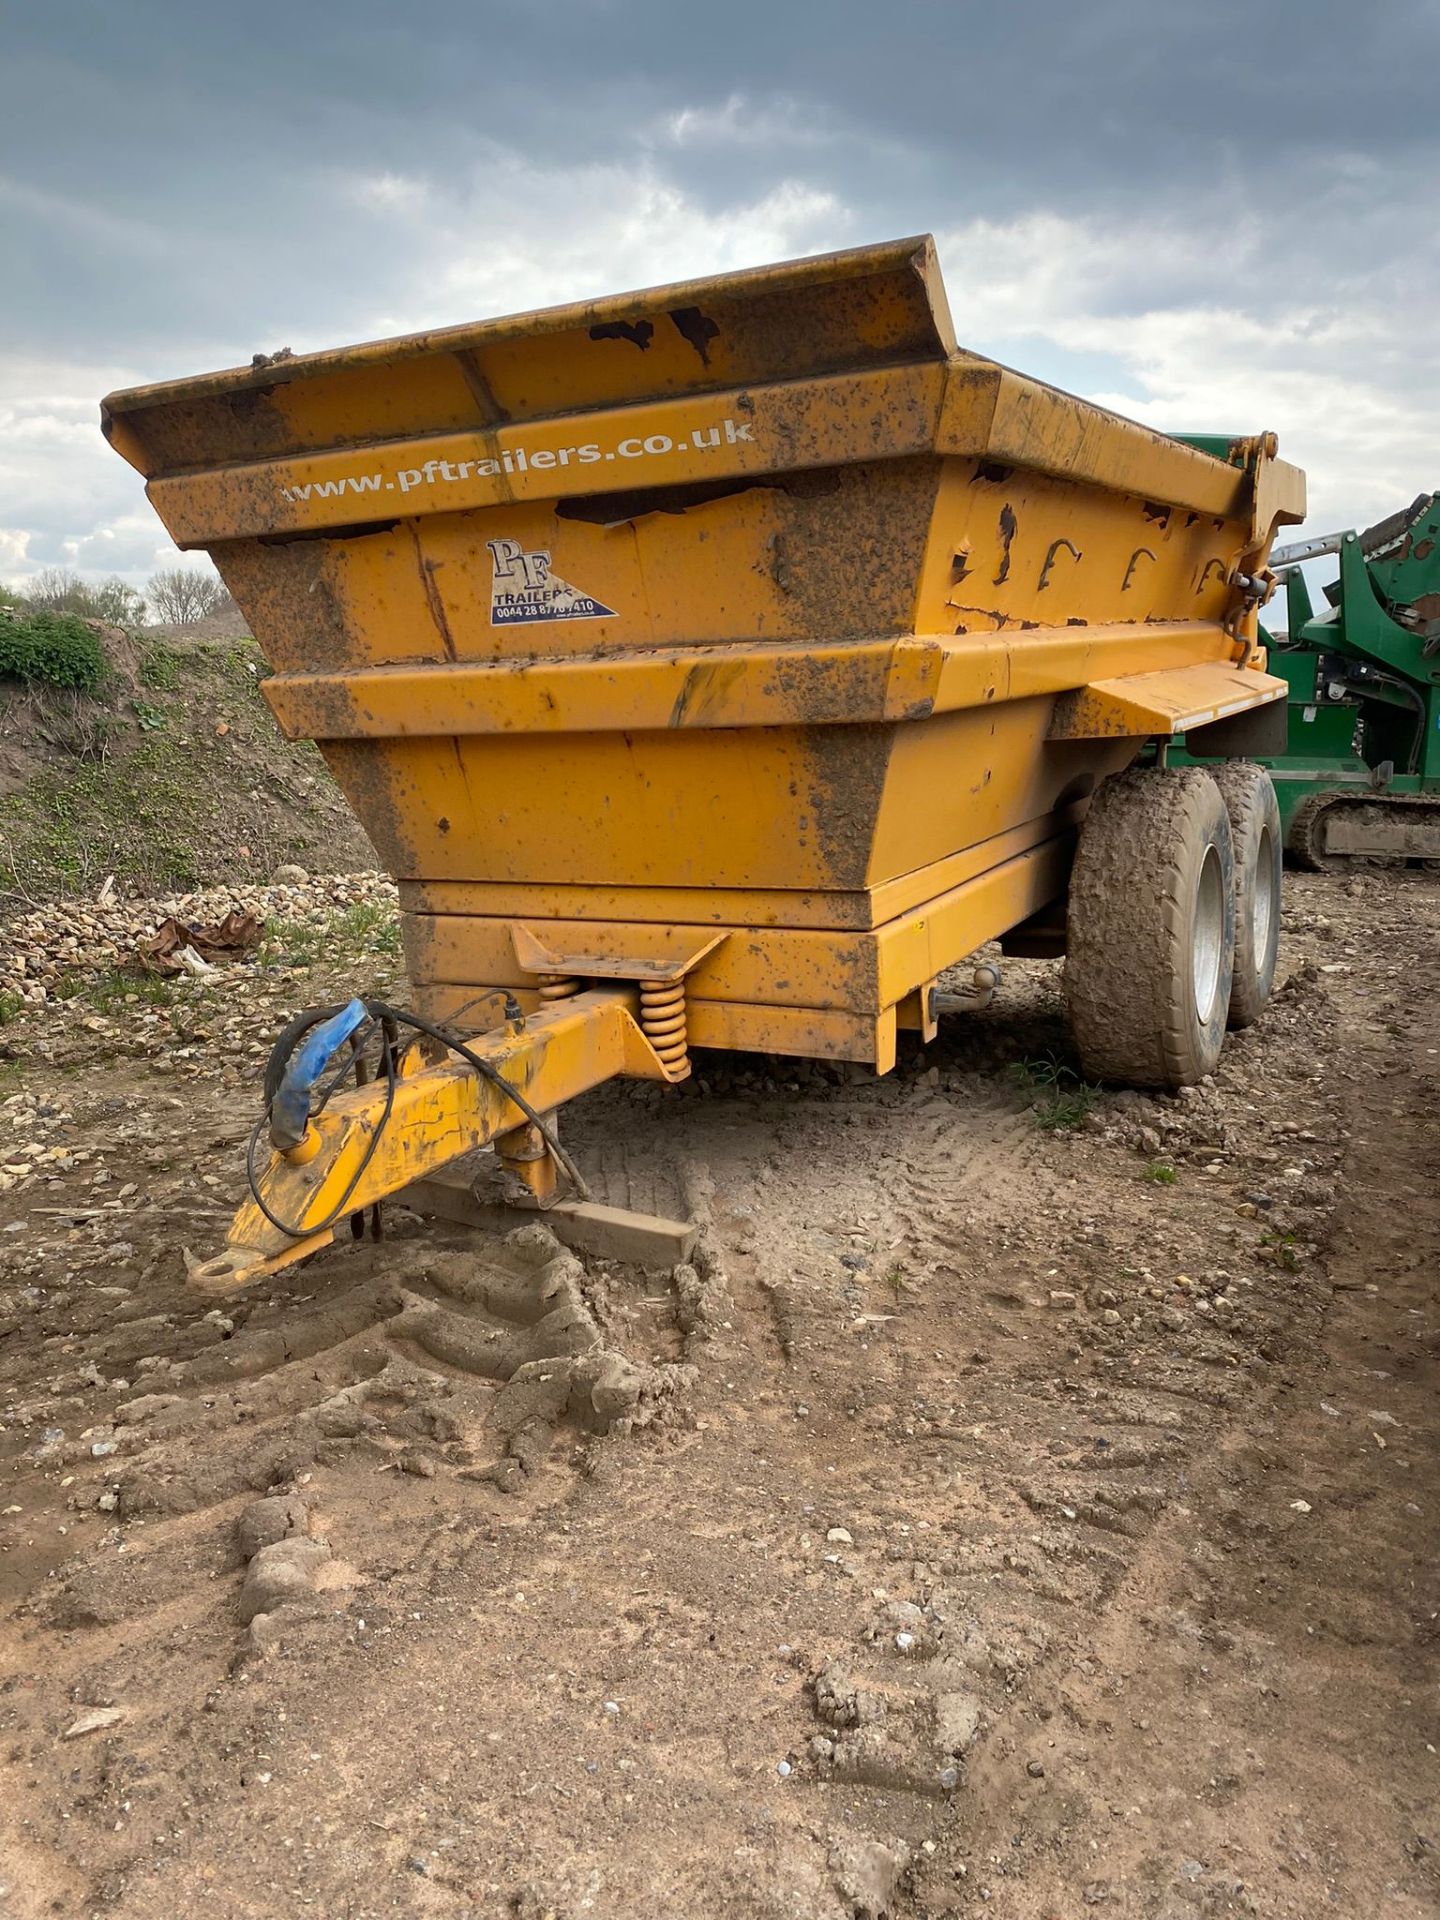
116	603
59	590
56	590
181	596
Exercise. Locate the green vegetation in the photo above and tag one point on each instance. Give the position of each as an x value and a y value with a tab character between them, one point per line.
160	667
896	1281
142	783
133	817
1160	1173
51	649
242	656
1281	1247
293	943
351	934
1065	1110
117	988
369	928
1065	1097
10	1005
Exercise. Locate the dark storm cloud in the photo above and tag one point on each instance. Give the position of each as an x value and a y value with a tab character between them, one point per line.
199	135
182	184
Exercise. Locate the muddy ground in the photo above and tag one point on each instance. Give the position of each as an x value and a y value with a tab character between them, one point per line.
1026	1505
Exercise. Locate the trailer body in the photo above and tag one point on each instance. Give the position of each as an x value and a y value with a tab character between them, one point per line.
742	646
752	605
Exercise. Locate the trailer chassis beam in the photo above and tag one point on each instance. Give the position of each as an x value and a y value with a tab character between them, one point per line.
353	1154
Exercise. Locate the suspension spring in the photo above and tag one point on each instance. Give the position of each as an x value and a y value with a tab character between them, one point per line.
558	986
662	1020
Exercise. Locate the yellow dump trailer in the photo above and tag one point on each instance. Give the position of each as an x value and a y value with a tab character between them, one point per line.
715	666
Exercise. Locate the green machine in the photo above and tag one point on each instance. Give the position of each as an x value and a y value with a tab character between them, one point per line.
1360	774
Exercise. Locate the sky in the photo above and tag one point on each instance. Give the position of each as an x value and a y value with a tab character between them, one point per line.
1216	217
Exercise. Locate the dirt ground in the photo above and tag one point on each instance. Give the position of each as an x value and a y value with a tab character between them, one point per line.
1025	1505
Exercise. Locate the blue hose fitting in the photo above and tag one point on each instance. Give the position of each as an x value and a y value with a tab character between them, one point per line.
290	1109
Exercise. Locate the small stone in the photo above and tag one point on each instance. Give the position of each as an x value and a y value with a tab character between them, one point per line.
1035	1769
95	1721
783	1769
839	1537
290	876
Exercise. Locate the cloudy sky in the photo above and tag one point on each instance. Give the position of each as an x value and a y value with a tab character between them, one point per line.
1216	216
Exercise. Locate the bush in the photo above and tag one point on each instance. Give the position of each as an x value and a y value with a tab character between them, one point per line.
56	649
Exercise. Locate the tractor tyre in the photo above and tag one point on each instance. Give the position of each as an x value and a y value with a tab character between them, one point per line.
1249	796
1150	928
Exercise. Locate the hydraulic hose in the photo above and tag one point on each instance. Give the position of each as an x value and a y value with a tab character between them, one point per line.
298	1058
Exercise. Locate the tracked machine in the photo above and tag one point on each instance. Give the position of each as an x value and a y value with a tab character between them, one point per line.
1359	774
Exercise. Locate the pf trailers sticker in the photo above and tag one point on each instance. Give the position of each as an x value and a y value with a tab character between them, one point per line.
523	590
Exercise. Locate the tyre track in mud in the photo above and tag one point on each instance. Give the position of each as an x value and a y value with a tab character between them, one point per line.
1249	1729
954	1343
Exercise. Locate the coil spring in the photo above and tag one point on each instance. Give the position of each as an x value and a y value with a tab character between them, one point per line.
558	986
662	1019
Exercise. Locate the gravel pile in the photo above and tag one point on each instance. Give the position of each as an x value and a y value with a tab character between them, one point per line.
43	946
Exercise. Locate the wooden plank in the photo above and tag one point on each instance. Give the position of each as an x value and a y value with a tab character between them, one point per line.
613	1233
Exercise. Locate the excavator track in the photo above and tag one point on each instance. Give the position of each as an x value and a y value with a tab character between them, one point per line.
1330	831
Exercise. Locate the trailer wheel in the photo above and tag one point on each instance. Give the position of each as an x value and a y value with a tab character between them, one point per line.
1249	796
1150	928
